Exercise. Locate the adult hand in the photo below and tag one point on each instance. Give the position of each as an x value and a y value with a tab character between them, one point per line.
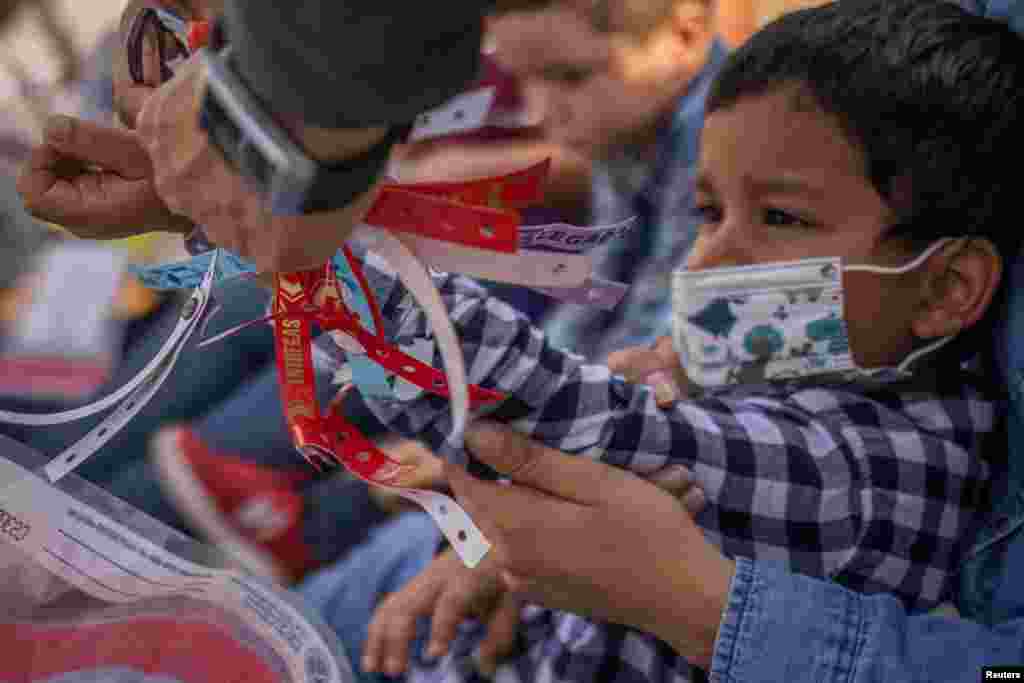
95	180
129	96
657	366
584	537
448	592
193	180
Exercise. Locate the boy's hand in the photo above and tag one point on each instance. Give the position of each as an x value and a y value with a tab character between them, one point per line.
424	471
657	366
95	180
448	592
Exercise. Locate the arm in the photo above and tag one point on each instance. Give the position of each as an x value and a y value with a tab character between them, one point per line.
832	483
767	626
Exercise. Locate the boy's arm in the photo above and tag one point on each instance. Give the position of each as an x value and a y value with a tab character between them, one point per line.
786	627
852	496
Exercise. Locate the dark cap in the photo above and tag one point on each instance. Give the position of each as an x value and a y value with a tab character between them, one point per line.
355	63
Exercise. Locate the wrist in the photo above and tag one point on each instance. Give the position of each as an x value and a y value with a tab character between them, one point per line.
690	623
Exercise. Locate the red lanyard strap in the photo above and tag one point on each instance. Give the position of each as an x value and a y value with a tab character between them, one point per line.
445	219
310	296
516	190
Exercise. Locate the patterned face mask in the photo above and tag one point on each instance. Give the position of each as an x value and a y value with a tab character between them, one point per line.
772	322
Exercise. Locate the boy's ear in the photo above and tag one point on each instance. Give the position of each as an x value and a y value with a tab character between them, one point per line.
958	285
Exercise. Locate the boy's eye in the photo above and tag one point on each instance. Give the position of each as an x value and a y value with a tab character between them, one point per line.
780	218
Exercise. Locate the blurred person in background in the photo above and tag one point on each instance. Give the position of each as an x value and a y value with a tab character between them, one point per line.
622	83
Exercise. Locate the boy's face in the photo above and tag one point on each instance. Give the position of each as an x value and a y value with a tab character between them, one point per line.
597	90
778	181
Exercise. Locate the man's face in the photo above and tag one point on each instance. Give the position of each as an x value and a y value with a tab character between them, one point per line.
780	182
597	90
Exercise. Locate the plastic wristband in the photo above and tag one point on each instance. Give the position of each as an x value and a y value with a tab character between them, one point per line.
314	296
130	398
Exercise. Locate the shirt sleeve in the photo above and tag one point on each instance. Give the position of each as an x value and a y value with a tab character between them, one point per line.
786	627
823	486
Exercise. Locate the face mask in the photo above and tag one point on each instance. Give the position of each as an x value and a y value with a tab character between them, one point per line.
772	322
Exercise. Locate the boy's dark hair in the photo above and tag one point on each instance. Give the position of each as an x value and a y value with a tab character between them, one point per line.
930	94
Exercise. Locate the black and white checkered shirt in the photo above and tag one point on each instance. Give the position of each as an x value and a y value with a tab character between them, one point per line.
875	488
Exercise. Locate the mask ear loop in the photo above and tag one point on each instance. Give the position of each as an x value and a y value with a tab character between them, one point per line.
906	363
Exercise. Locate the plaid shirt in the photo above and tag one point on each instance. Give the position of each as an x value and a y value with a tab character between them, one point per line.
660	194
876	489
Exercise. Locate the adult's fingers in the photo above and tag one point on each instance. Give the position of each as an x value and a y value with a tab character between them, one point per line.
695	500
676	479
535	465
113	149
680	482
500	640
38	177
129	102
91	203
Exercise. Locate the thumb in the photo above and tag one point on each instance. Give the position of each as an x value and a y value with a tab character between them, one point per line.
113	149
533	464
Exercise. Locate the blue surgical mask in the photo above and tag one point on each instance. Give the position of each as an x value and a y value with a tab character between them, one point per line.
773	321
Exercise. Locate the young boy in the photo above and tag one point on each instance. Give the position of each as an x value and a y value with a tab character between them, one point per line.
863	131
